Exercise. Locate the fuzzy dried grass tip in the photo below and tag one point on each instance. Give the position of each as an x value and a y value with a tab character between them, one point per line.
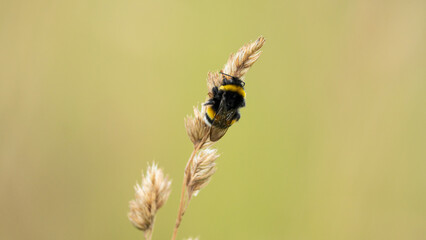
214	79
239	63
150	196
202	169
196	127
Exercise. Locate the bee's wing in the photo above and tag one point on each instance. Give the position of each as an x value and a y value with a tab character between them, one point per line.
217	133
222	121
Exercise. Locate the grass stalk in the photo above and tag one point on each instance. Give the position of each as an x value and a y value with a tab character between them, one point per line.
184	202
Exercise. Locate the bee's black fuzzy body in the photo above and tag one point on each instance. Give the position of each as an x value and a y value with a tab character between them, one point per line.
223	108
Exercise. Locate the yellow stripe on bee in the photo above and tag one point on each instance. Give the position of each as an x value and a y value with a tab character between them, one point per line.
233	121
233	88
210	112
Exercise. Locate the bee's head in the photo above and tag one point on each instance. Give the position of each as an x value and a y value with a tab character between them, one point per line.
238	82
233	80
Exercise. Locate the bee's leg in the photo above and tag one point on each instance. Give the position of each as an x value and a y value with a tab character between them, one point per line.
212	100
215	91
209	102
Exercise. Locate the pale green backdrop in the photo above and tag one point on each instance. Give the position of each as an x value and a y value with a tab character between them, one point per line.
331	145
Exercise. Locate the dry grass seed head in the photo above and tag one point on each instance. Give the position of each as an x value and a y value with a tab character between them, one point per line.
196	127
239	63
202	169
214	79
150	196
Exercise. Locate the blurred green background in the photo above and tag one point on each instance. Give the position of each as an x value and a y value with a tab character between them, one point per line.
331	145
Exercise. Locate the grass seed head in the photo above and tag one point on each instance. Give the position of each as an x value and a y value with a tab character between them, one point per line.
202	169
240	62
196	127
150	196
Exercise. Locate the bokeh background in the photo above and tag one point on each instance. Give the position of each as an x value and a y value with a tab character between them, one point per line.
331	145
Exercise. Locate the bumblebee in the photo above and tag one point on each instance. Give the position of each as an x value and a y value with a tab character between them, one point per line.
222	109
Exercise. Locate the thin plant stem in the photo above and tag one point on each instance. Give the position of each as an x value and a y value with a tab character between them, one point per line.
183	204
148	234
